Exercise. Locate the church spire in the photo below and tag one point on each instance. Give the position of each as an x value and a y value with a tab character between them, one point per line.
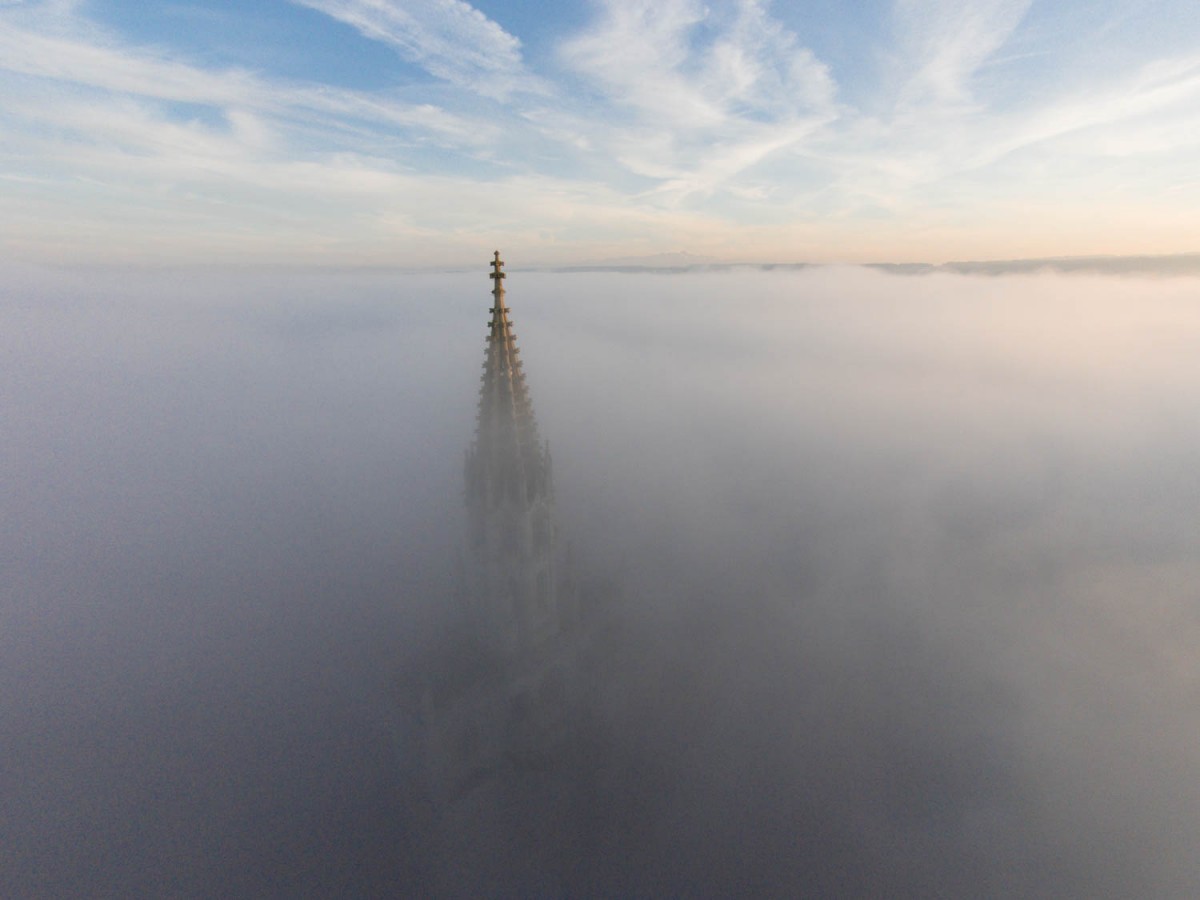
509	457
510	498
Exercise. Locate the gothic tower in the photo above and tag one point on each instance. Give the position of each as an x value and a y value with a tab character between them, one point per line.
509	690
512	600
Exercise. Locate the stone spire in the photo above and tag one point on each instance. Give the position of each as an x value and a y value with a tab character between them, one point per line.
509	498
508	461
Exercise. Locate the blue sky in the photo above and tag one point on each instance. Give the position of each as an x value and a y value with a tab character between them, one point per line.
426	132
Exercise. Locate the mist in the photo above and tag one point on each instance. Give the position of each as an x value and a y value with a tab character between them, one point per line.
898	579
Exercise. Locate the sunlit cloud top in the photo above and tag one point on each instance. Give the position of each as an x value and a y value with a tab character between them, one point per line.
427	131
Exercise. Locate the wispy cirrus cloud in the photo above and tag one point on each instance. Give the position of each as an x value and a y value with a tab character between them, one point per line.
1162	86
943	43
120	70
111	133
696	95
1155	111
450	39
957	133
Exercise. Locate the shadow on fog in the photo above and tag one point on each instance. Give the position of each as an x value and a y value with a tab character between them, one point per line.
904	573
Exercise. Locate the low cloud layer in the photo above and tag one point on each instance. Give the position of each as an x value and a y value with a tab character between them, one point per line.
905	573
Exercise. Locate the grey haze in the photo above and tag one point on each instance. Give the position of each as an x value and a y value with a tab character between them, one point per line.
904	579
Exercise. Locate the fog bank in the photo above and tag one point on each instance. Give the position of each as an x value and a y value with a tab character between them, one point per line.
904	575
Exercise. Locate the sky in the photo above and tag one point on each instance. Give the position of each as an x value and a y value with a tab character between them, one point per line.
905	576
427	132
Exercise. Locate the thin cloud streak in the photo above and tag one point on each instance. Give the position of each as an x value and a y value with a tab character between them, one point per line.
696	116
947	42
449	38
131	72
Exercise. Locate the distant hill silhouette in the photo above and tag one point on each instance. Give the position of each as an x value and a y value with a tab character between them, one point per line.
1176	264
1168	265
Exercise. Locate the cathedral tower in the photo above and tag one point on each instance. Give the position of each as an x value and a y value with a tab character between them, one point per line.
507	690
512	598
